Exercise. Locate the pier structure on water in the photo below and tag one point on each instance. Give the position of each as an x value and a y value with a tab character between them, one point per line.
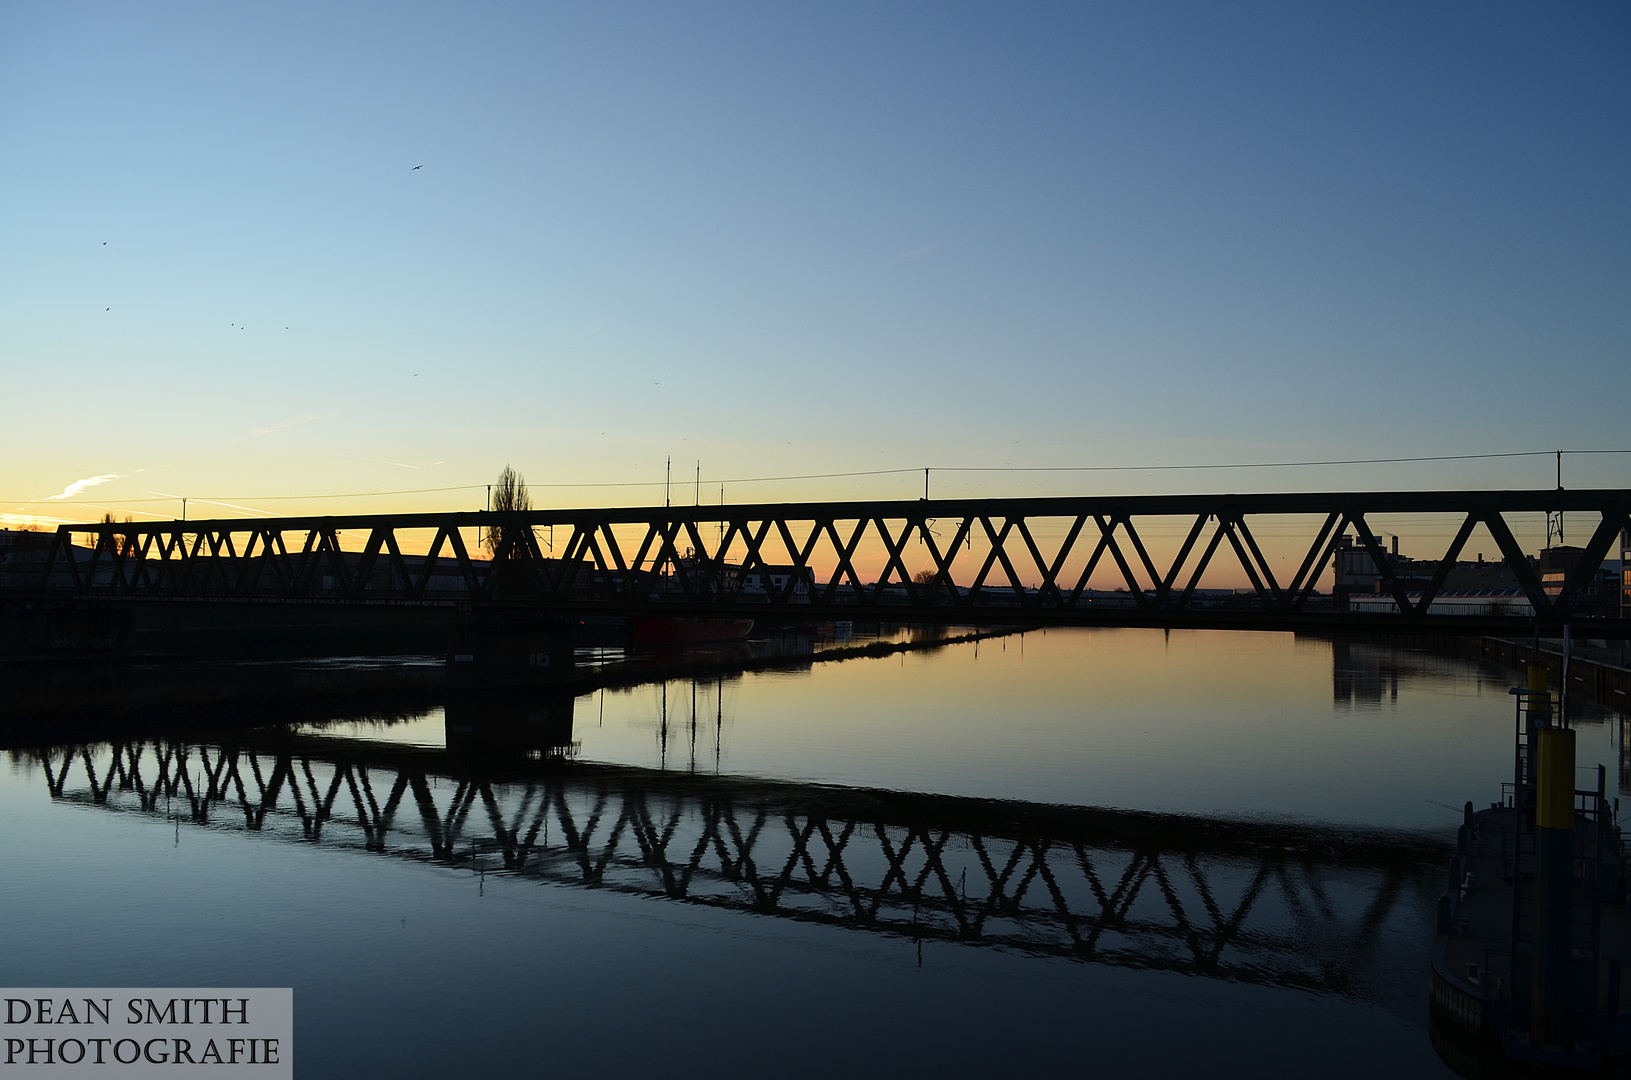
1535	928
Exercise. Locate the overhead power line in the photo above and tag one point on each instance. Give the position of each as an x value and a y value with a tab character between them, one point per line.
1211	466
1268	464
811	476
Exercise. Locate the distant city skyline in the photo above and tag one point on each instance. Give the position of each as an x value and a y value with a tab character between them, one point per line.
262	258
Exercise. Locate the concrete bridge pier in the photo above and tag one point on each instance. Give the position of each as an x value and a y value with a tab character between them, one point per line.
491	648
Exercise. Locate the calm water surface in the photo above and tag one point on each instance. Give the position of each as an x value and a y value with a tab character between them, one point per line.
720	907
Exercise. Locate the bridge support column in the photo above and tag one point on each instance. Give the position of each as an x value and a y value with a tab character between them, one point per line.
494	649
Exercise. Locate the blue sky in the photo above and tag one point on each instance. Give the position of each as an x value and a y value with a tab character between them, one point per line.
805	239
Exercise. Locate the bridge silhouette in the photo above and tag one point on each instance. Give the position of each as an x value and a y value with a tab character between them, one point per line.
984	560
1252	902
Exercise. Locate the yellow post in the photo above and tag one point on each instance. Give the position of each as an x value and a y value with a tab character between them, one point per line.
1554	884
1554	778
1540	705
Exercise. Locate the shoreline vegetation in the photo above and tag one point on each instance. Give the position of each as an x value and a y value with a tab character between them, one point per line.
617	677
118	701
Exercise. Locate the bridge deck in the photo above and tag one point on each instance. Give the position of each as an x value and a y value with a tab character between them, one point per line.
1029	560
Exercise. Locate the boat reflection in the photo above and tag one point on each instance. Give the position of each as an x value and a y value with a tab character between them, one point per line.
1265	903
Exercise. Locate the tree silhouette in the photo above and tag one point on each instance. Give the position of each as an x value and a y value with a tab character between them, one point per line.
510	495
115	542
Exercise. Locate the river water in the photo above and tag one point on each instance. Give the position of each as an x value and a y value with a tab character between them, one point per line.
1122	851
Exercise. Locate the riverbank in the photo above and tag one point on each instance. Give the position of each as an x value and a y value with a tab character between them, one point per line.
89	700
616	676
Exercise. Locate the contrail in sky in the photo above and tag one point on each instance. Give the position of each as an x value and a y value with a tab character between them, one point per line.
382	461
34	519
80	485
284	425
213	502
910	254
235	506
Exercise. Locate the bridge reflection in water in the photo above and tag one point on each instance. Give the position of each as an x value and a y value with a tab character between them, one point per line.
1270	904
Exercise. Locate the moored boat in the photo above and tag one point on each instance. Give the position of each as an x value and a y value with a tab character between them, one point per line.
1534	930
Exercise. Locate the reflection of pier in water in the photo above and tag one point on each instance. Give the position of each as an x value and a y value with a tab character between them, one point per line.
1364	674
1260	903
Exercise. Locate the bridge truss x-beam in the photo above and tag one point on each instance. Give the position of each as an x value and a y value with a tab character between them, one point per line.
1267	904
979	560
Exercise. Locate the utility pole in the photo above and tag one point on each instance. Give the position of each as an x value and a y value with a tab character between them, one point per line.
668	473
699	483
1558	516
183	508
925	485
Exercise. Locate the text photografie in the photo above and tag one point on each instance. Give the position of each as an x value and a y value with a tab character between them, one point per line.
147	1032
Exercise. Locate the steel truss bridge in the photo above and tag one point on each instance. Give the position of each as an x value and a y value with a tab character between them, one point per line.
979	560
1267	904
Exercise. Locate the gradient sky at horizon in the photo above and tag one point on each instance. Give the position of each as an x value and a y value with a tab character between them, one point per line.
804	240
